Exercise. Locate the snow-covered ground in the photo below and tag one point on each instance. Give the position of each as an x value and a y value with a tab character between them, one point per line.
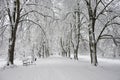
59	68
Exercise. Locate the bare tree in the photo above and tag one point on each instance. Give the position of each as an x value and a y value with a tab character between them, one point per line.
18	14
94	14
14	17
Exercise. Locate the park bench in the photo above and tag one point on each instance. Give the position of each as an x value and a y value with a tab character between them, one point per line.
27	62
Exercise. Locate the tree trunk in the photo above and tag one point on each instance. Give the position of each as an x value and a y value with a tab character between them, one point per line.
43	53
11	51
69	51
14	20
75	55
77	33
92	43
91	28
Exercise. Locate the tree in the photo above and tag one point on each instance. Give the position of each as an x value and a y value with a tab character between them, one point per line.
76	32
14	17
74	21
18	12
94	14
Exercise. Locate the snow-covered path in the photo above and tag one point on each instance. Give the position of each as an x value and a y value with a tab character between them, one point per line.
59	68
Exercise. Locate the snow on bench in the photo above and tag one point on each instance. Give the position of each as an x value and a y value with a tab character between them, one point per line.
27	61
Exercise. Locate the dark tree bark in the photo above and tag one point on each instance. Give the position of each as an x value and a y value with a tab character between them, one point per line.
14	21
92	41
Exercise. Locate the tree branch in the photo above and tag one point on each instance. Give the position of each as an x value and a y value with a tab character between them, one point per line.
35	24
104	9
111	36
32	11
106	25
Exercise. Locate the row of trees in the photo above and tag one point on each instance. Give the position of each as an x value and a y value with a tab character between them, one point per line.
21	18
68	26
99	16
